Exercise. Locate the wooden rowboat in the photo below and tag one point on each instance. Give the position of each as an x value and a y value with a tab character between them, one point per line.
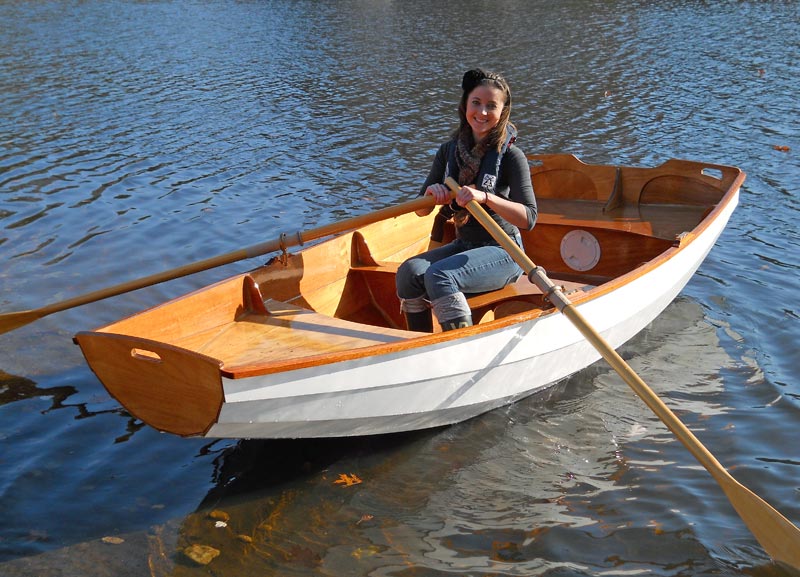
313	344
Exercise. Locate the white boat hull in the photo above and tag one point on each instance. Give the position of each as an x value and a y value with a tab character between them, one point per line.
454	380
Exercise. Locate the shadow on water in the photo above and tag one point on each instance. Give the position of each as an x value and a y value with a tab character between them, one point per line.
416	504
298	507
432	503
250	467
14	388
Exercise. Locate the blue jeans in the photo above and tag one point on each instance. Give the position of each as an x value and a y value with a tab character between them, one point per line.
443	275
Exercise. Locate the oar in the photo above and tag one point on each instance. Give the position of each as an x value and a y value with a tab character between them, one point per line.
11	321
779	537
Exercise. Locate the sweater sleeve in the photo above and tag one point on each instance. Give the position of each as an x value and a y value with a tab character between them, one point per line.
436	173
518	177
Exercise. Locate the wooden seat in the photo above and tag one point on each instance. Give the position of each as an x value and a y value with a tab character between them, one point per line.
523	291
519	290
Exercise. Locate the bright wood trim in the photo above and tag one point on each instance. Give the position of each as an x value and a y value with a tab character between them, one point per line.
134	369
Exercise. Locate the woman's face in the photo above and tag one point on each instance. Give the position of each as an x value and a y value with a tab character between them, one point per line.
484	106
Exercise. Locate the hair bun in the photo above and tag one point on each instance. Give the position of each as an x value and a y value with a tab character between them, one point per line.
472	78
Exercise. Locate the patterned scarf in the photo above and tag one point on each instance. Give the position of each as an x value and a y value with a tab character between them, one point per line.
468	157
468	160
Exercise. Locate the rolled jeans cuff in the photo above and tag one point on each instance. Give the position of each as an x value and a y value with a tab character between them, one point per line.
415	305
451	307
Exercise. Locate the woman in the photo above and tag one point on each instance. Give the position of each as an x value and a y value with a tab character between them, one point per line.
482	158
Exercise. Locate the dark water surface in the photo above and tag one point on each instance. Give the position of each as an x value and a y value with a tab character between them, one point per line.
136	137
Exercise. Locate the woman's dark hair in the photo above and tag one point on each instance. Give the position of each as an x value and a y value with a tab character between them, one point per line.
471	80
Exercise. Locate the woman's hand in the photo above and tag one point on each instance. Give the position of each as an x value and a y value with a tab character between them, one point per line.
514	212
468	193
440	192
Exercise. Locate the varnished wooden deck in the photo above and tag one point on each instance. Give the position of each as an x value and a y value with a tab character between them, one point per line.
287	332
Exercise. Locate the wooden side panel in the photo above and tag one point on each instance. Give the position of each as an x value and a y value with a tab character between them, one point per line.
317	277
564	176
312	278
378	292
171	389
399	238
620	252
175	320
681	190
678	182
560	183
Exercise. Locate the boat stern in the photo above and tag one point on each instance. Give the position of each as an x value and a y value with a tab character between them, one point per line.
172	389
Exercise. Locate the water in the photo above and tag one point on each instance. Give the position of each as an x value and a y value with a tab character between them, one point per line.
136	137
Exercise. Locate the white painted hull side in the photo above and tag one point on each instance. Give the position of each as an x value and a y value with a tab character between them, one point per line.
451	381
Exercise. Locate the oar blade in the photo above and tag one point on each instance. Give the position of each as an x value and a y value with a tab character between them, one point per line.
777	535
12	321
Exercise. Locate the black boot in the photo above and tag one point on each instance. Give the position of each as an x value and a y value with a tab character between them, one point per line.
457	323
421	322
